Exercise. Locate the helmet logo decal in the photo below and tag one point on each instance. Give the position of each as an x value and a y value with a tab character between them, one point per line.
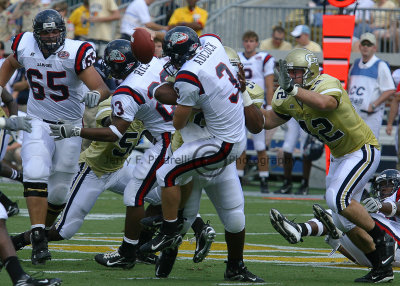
116	56
51	25
311	59
179	38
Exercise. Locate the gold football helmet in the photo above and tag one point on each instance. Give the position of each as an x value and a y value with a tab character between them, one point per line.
233	56
305	60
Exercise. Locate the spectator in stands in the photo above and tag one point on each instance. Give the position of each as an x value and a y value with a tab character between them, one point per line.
363	17
166	10
370	84
5	32
102	14
27	9
384	24
79	18
191	16
62	8
302	35
277	41
158	52
137	15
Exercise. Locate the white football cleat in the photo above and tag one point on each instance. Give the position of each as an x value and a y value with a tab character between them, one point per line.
289	230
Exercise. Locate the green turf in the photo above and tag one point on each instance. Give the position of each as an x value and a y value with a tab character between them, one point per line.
79	268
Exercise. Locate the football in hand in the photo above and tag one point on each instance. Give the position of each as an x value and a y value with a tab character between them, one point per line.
142	45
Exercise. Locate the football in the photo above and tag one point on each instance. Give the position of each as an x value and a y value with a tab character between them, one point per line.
142	45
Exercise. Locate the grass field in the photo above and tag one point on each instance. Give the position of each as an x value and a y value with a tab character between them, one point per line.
267	254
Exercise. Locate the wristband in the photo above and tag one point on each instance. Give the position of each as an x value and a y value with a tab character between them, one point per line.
115	131
394	209
247	101
373	106
2	122
269	107
76	131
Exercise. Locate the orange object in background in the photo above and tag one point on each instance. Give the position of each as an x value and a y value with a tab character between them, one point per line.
337	36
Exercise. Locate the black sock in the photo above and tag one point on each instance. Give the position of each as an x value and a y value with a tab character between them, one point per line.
127	249
304	229
375	233
180	213
373	257
169	228
198	225
14	268
5	200
144	237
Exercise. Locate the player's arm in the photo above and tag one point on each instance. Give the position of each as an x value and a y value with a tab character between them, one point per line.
7	69
94	82
107	134
381	99
9	102
272	119
181	116
269	88
323	102
254	119
394	108
165	93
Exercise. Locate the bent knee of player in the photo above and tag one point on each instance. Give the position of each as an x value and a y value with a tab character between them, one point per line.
234	220
330	197
36	170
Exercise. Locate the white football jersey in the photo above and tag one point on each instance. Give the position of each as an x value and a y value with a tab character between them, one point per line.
208	81
133	99
55	89
257	67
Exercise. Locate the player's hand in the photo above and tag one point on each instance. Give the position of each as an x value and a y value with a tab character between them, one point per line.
15	123
372	205
64	131
91	98
284	80
389	129
242	78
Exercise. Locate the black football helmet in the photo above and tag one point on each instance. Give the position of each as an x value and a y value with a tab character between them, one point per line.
313	148
119	59
48	20
180	44
386	184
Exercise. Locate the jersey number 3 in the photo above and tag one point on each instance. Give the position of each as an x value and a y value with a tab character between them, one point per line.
220	68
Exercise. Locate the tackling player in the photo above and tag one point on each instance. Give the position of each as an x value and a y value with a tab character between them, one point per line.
384	207
323	109
56	69
131	100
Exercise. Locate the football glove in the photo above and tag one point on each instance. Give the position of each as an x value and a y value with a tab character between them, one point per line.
64	131
15	123
91	98
284	80
372	205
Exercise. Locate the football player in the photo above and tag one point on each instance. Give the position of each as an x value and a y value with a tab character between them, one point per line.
383	206
259	68
322	107
56	69
203	69
132	99
223	188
